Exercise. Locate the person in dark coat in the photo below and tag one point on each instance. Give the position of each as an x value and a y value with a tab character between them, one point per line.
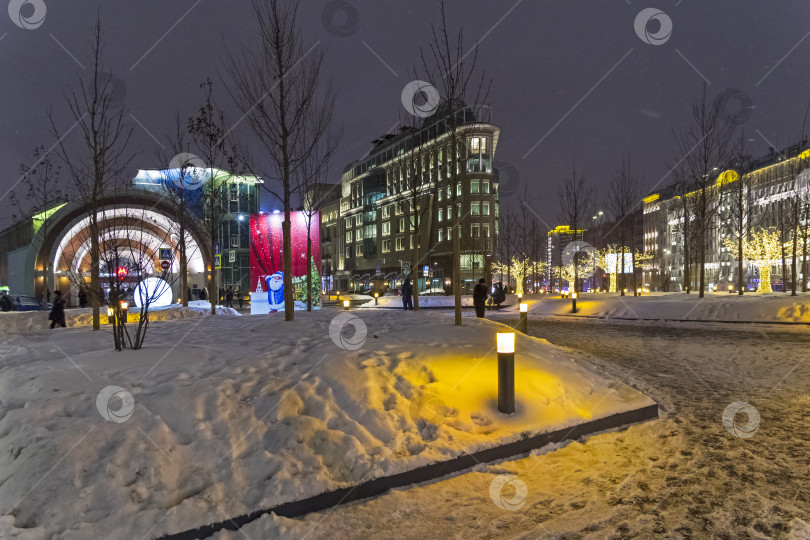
82	298
240	296
499	296
57	315
188	293
6	304
480	298
229	297
407	294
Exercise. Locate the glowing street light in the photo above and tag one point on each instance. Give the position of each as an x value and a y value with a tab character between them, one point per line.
346	305
573	302
523	322
110	315
124	307
376	298
506	372
731	288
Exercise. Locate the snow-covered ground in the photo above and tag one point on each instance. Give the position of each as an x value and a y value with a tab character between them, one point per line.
36	323
220	416
752	307
683	476
430	301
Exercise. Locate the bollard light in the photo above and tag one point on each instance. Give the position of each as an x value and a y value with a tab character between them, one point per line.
573	302
346	305
124	307
638	292
506	372
110	315
523	321
731	288
376	298
520	295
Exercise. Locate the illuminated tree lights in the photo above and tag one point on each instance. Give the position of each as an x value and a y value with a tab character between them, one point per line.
519	268
761	249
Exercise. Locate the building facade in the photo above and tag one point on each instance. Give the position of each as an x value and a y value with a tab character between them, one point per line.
396	209
771	188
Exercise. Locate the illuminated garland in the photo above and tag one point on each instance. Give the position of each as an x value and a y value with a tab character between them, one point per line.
761	249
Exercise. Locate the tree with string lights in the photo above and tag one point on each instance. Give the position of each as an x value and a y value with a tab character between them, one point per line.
761	248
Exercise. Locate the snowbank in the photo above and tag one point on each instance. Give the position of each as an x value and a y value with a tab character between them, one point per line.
36	322
716	307
431	301
233	414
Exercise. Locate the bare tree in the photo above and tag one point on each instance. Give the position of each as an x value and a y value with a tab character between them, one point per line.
739	197
704	147
181	187
102	120
43	191
209	132
313	172
623	198
576	200
451	69
277	85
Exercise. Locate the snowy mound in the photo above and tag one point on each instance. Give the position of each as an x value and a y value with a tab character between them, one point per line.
232	414
36	322
752	307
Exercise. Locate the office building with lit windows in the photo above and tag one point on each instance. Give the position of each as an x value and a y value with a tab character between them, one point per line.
404	181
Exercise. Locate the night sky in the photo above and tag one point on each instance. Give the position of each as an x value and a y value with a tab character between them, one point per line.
573	76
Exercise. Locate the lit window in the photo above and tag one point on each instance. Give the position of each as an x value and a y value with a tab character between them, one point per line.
402	224
359	250
458	189
484	208
348	236
235	240
400	243
485	186
234	194
475	230
485	230
449	212
386	228
441	235
475	208
441	214
474	186
386	212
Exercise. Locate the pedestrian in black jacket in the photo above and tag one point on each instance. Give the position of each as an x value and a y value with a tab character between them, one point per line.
407	294
57	315
480	298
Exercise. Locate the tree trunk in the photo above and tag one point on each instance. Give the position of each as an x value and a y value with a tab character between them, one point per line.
95	278
212	278
456	263
183	268
793	275
415	265
309	266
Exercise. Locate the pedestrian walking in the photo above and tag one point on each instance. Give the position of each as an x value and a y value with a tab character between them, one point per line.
6	304
480	298
240	296
407	295
57	314
82	298
499	296
229	297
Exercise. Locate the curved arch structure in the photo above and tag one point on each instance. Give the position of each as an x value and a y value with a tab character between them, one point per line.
144	215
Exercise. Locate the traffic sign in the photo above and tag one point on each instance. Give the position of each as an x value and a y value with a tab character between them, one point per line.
165	254
165	265
406	266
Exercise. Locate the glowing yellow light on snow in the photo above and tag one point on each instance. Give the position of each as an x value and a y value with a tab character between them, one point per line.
506	342
376	295
524	307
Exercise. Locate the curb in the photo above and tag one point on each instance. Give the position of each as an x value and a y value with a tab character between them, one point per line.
427	473
606	318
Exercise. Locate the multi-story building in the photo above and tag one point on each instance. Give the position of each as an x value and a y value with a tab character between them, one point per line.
326	199
768	185
399	200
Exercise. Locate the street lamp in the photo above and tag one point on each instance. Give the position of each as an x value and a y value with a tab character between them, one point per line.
731	288
346	305
506	372
110	315
573	302
124	307
523	321
376	298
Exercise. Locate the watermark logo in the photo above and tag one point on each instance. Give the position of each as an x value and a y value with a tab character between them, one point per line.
734	106
648	17
191	171
340	18
117	90
27	14
507	176
580	259
516	501
420	98
429	408
744	431
112	396
348	331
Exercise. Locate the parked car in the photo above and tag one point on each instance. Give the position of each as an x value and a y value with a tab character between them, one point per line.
26	303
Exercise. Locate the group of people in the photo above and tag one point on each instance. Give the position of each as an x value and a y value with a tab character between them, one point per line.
480	296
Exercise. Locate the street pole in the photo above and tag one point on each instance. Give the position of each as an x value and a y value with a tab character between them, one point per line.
506	372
